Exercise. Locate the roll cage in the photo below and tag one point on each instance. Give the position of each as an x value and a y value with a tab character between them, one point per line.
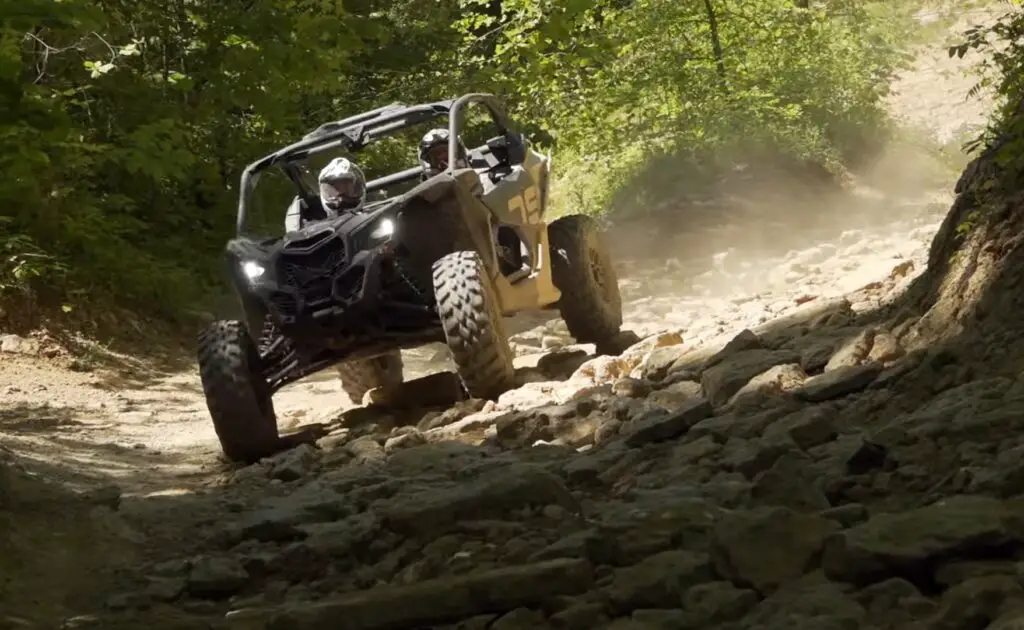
356	132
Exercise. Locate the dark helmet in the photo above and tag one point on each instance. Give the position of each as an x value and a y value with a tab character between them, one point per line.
434	151
342	186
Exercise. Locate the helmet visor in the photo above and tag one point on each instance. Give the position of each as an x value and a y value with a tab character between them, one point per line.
342	193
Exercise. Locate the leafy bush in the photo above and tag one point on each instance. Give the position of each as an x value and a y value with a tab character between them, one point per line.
621	85
1002	69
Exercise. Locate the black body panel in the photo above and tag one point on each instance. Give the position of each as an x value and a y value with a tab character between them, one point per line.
336	284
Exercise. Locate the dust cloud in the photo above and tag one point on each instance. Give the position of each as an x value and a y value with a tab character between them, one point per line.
767	236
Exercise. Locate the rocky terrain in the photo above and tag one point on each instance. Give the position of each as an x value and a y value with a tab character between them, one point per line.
818	430
836	467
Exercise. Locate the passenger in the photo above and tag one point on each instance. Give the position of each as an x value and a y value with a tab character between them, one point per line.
433	153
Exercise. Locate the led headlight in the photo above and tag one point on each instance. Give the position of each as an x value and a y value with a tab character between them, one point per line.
384	229
252	270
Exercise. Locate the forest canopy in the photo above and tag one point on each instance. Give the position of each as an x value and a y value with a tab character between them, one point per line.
124	125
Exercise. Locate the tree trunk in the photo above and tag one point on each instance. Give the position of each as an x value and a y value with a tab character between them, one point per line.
716	43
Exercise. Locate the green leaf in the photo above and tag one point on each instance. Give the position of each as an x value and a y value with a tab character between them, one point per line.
130	50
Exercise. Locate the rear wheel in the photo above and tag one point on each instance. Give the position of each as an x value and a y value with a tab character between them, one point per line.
472	324
359	376
239	400
582	270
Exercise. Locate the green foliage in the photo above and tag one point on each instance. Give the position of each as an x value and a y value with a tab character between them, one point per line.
124	126
1001	69
622	87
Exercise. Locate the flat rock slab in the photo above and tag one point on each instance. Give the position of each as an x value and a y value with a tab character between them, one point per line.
768	546
433	390
439	600
658	581
742	342
809	427
721	381
905	543
491	495
839	382
853	352
658	426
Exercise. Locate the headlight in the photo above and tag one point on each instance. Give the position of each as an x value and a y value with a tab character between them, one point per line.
384	229
252	270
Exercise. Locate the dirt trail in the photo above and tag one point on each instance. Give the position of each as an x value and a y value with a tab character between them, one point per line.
102	425
205	540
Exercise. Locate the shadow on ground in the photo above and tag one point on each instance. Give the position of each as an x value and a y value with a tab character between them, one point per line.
59	447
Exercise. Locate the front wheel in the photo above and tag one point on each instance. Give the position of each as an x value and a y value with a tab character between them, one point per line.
582	269
472	324
237	395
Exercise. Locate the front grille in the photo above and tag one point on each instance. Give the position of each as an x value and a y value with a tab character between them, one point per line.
318	292
348	286
306	271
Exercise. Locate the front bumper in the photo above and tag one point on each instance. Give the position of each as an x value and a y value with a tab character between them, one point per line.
320	280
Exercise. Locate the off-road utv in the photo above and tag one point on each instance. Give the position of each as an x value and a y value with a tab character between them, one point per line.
443	260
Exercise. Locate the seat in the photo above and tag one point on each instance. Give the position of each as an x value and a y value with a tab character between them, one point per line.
299	213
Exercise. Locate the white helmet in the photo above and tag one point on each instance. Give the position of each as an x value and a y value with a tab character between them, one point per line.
342	186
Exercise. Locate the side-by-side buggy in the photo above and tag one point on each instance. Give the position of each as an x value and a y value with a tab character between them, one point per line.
427	259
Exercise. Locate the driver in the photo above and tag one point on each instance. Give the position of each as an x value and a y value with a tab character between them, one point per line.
342	187
434	153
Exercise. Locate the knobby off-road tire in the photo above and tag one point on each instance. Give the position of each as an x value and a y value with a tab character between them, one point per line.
237	396
359	376
472	325
582	270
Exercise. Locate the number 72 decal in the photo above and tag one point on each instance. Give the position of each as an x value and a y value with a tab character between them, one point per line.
526	205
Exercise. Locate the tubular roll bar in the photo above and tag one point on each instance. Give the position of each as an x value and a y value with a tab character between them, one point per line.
455	120
357	131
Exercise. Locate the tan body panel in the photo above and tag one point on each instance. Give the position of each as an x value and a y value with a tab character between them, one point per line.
518	201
